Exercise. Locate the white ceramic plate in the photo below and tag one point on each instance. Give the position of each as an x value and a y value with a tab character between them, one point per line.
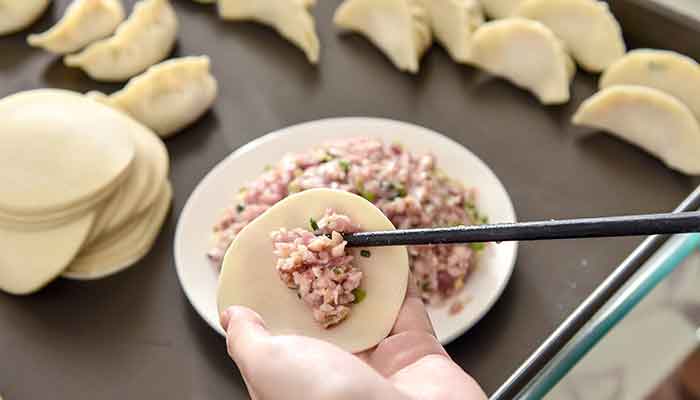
219	188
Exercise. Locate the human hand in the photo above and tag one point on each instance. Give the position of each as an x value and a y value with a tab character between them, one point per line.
409	364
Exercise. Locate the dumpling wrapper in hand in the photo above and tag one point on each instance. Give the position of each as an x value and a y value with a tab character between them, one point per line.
668	71
649	118
167	97
50	138
500	8
526	53
84	22
587	27
400	28
16	15
249	276
291	18
144	39
453	22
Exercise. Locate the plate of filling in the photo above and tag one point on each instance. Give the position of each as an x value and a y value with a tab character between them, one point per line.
416	177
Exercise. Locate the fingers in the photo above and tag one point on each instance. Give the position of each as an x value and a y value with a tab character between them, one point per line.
244	328
413	316
399	351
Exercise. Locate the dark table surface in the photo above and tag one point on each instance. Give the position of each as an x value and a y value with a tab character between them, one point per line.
135	336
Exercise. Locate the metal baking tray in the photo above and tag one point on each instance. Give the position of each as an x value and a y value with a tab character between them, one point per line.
138	329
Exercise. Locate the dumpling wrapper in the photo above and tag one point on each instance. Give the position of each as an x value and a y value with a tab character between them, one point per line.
291	19
649	118
16	15
500	8
587	27
400	28
169	96
453	23
145	181
144	39
249	277
668	71
125	247
50	138
36	258
526	53
84	22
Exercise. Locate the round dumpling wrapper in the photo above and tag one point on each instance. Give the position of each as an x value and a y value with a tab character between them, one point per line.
36	258
50	139
125	247
249	277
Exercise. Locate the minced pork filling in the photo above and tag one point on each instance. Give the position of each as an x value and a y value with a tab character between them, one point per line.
409	188
319	268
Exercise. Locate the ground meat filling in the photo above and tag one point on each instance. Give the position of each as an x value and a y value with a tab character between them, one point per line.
409	189
319	268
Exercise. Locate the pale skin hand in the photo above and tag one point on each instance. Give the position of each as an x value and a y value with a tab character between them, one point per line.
410	364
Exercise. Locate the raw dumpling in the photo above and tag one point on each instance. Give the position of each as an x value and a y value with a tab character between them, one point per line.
453	23
125	247
667	71
587	27
16	15
169	96
50	138
144	39
249	276
651	119
291	18
526	53
400	28
84	22
500	8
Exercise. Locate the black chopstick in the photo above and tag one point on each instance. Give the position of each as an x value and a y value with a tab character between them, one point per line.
634	225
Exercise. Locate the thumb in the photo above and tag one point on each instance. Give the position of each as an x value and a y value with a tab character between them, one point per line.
244	329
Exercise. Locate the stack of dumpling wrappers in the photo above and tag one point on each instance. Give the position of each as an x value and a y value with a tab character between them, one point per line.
84	189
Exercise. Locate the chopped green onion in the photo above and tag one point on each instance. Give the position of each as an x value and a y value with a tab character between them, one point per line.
344	165
267	167
337	271
401	191
314	224
369	196
240	208
477	246
425	286
359	294
365	253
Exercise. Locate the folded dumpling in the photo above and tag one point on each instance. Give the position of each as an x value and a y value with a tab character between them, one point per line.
167	97
400	28
526	53
291	18
16	15
587	27
668	71
144	39
649	118
453	22
500	8
84	22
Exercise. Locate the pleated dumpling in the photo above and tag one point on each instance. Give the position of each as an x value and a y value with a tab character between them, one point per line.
291	18
668	71
400	28
526	53
649	118
84	22
16	15
587	27
453	23
167	97
144	39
